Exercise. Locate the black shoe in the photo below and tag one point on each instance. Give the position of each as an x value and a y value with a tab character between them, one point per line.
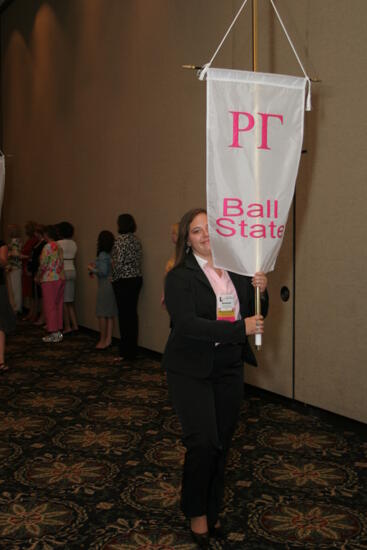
217	532
202	540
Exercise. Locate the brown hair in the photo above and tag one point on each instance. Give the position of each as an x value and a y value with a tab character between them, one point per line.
39	229
50	232
183	233
126	224
105	241
29	228
14	231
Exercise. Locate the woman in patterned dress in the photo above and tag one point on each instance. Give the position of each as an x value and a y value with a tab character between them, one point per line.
52	278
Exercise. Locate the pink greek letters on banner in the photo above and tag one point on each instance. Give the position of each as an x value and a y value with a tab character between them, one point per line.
251	123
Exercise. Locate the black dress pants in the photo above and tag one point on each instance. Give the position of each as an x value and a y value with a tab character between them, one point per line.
208	411
127	294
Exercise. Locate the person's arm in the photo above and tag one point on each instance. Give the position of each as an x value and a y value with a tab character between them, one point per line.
246	288
260	280
3	256
43	262
92	270
180	303
114	256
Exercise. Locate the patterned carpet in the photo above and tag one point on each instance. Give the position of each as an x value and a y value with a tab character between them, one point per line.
91	458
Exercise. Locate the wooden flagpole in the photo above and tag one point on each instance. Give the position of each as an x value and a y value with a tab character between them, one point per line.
255	28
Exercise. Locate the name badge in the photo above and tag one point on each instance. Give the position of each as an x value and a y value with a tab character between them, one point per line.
225	308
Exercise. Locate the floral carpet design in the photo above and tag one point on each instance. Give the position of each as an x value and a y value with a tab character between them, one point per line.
91	458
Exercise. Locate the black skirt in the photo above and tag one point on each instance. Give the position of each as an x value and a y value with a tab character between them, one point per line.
7	315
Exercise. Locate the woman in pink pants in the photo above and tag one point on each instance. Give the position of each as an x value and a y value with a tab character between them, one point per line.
52	278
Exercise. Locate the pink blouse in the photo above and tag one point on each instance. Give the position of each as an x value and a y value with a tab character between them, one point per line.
221	285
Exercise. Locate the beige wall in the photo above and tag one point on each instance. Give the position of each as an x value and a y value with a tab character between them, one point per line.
331	262
99	118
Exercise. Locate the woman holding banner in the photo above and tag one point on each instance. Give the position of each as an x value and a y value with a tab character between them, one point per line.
204	359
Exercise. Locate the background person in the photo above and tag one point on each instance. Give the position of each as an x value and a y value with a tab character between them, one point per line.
106	308
69	247
15	267
27	279
33	266
52	278
204	362
7	315
174	236
127	281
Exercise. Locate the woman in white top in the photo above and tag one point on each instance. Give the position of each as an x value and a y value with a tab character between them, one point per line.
69	247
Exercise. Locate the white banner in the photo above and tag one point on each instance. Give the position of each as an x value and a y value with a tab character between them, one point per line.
2	179
254	143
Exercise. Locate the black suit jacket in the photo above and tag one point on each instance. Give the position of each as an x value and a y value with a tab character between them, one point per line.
192	306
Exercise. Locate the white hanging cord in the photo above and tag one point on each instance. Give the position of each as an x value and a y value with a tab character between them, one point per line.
308	101
204	70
